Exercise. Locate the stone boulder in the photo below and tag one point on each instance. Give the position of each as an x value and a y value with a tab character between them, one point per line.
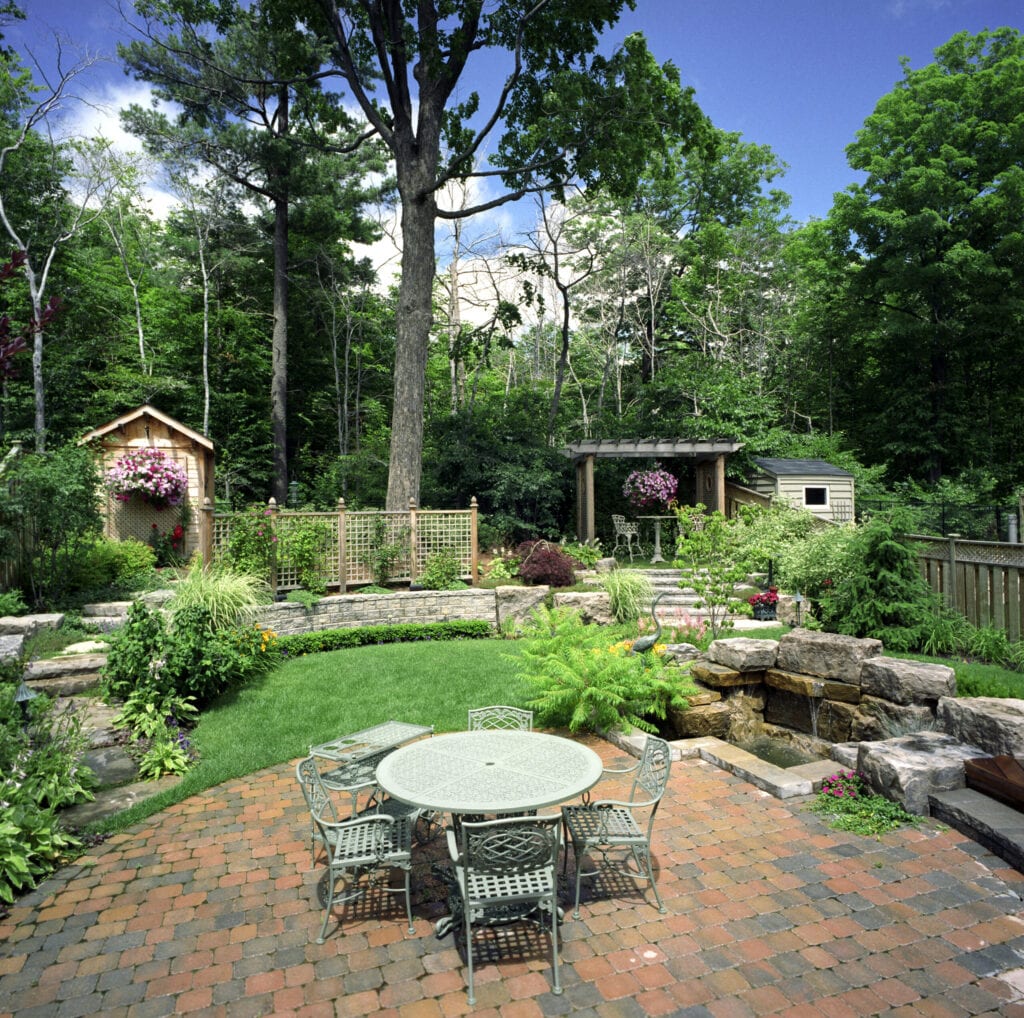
11	646
26	625
682	652
744	654
830	655
517	602
700	720
877	718
994	724
910	768
906	682
593	608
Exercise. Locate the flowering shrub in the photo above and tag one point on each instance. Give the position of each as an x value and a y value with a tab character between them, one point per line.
650	489
168	545
847	804
151	475
252	544
843	785
766	599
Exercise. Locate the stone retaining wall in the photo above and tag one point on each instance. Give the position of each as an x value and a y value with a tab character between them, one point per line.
347	611
898	722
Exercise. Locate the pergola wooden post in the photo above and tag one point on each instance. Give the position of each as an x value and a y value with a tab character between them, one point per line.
585	498
710	459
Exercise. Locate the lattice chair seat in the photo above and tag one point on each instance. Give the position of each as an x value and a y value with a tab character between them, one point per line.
505	871
607	824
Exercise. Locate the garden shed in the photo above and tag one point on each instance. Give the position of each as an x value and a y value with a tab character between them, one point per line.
814	485
146	428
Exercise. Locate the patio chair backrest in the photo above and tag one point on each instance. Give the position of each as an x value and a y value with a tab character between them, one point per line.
652	775
500	718
510	846
313	791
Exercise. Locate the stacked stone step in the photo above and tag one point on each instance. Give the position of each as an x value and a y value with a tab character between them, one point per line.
108	616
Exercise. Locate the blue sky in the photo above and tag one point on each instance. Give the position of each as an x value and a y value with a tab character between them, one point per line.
798	75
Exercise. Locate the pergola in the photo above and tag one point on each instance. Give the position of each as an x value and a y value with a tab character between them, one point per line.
709	457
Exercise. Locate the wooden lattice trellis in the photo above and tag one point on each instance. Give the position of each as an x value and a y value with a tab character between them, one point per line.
350	539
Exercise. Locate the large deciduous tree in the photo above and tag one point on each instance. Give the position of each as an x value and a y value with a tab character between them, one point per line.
937	234
564	111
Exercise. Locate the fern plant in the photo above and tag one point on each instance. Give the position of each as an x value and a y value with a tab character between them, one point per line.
585	684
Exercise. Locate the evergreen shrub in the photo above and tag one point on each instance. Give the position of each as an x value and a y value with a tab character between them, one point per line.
297	644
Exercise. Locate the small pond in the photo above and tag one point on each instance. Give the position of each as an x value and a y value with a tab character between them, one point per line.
776	751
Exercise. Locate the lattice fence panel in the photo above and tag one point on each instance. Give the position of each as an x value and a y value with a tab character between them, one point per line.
985	552
319	528
367	531
438	530
416	535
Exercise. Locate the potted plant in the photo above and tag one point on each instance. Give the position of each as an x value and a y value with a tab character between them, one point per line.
149	475
765	604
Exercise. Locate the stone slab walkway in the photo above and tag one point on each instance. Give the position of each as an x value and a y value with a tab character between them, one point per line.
209	908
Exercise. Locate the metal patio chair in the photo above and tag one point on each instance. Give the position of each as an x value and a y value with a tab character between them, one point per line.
500	718
626	532
366	844
506	872
606	824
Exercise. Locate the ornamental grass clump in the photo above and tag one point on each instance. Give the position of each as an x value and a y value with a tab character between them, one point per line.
150	475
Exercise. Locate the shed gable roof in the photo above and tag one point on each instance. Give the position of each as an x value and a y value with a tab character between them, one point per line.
147	411
799	468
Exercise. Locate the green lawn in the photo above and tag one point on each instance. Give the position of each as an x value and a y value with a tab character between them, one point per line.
319	697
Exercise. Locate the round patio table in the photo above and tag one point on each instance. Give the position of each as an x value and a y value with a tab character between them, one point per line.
489	772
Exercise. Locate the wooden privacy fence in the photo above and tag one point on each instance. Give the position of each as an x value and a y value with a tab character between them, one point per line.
351	540
980	579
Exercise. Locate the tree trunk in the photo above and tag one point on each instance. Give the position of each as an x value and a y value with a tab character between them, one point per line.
38	389
412	337
563	359
279	354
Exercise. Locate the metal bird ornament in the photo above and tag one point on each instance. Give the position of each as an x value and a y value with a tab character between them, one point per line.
648	640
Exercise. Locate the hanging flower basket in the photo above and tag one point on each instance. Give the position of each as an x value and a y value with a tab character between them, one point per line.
149	475
650	489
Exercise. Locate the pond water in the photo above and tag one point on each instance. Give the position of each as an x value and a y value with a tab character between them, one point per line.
775	751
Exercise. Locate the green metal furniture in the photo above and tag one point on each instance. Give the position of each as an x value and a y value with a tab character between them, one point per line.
354	757
500	718
366	844
489	772
607	824
505	872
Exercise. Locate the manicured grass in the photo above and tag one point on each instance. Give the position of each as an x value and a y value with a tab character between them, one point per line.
319	697
973	678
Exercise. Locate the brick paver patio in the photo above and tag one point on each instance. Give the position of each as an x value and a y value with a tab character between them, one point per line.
209	908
